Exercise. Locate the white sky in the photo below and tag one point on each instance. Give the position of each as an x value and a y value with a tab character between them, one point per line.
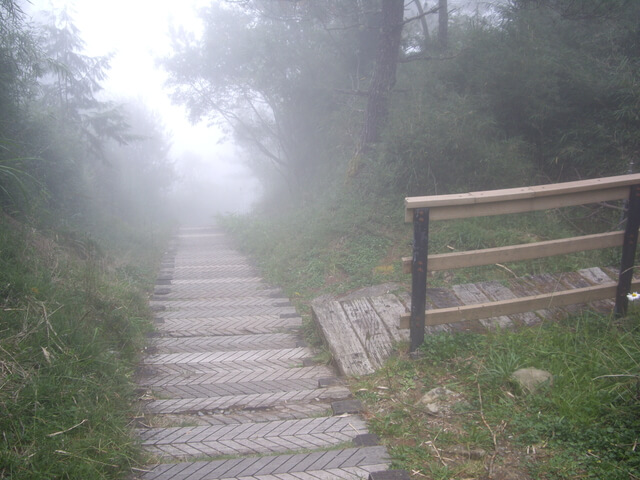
137	31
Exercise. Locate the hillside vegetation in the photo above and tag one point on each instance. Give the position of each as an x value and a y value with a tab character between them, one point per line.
81	183
526	92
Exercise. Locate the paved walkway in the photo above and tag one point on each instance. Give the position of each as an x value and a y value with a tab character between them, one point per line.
232	391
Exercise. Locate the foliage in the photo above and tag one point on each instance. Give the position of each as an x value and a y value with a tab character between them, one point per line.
527	91
74	268
73	324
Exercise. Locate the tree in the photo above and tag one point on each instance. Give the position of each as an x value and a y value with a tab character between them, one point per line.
443	24
384	72
267	71
73	80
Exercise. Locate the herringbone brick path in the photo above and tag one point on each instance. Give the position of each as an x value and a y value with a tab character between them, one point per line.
224	343
227	374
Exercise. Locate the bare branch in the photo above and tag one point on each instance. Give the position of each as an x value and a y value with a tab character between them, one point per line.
422	15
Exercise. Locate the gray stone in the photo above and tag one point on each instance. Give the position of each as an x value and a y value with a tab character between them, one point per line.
346	406
366	440
438	399
464	451
531	379
325	382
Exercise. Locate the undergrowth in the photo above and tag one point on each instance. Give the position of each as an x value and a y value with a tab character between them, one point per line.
73	320
338	245
585	425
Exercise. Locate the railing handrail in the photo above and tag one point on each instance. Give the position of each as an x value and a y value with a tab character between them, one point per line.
522	199
421	210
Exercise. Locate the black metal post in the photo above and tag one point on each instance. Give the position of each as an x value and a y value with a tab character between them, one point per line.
419	276
628	251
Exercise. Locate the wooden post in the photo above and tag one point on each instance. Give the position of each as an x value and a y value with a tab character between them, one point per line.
419	276
628	251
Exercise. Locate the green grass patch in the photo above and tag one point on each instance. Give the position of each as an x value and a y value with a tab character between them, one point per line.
72	324
586	425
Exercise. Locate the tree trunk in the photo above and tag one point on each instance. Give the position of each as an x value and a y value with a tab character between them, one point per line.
443	24
384	72
425	26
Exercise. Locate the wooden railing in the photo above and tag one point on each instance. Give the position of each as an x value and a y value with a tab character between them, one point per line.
422	210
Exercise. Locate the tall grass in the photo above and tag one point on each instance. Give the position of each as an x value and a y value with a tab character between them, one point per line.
72	323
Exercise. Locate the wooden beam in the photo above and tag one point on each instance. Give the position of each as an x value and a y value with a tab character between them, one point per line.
505	205
514	253
508	194
519	305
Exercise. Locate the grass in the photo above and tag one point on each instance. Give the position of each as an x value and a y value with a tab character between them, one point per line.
343	244
586	425
72	324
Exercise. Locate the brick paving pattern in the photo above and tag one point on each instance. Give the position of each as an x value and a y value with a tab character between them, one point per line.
230	389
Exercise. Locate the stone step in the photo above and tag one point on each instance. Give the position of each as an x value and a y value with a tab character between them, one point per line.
221	280
164	375
287	411
351	463
264	357
241	370
229	389
252	438
197	327
212	312
236	402
265	341
229	272
206	291
197	304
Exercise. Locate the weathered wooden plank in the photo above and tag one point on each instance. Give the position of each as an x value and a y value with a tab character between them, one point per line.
514	253
622	182
502	207
389	309
370	329
595	276
522	288
470	294
497	291
345	346
547	283
441	298
525	304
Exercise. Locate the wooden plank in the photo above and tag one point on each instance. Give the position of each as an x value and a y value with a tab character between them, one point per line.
347	351
470	294
514	253
441	298
519	193
524	304
497	291
389	309
595	276
521	205
376	341
523	287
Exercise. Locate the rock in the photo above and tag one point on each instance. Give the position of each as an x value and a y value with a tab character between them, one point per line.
531	379
438	399
466	452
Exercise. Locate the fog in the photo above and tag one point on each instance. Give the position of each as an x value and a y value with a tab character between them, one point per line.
211	175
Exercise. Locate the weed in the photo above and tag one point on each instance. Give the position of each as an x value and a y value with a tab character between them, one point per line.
72	326
585	426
